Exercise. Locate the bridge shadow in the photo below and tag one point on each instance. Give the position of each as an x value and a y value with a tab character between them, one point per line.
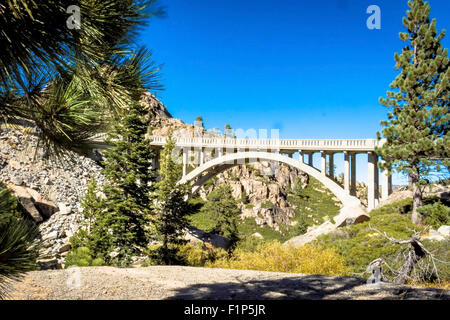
305	287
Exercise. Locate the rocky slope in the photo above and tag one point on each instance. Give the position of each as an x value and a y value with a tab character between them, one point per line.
50	191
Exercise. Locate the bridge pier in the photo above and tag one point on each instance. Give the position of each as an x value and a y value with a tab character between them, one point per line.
346	172
372	181
310	158
386	183
331	165
323	163
353	174
185	160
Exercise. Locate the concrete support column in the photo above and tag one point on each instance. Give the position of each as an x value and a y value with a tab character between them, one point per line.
353	174
331	165
219	152
291	155
372	181
323	163
310	159
377	182
185	160
346	172
202	155
300	156
386	183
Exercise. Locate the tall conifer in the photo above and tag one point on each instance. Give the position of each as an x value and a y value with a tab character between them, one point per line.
417	129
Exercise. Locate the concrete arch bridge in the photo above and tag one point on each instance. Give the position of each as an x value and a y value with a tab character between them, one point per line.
212	156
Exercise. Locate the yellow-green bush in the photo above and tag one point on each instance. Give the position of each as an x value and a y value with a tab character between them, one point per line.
273	256
198	255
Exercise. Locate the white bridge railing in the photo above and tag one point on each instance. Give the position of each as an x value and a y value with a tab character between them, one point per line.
273	144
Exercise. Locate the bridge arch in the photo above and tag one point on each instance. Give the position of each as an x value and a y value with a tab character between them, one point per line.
217	165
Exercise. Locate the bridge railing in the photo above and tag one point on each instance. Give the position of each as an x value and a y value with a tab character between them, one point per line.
272	144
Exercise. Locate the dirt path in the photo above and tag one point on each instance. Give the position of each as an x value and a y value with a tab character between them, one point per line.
175	282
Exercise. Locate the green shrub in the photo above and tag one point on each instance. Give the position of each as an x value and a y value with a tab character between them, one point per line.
19	244
267	205
194	255
82	257
436	214
359	245
400	207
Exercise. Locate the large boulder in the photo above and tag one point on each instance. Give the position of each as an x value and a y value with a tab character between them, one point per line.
351	215
444	231
27	202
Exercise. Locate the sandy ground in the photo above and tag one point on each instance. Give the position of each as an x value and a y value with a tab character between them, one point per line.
176	282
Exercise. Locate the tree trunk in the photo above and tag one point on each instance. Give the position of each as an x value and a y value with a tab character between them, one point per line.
417	196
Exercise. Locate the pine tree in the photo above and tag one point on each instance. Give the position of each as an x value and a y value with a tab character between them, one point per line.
68	81
91	204
224	210
417	129
122	225
170	205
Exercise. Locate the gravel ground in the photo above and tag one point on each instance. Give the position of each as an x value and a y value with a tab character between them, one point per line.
176	282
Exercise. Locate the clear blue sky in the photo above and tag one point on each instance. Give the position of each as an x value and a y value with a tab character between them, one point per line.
311	69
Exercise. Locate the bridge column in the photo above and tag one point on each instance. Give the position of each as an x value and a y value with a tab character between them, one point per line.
323	163
202	155
310	158
346	172
219	152
353	174
300	156
386	183
185	161
331	165
372	181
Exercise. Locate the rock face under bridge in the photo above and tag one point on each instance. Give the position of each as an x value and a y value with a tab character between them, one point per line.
250	179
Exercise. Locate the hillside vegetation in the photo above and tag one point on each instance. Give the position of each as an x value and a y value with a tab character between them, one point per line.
313	205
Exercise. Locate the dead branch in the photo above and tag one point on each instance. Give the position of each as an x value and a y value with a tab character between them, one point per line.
416	253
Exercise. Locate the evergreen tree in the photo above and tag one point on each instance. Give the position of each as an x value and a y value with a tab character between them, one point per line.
19	247
91	204
244	196
417	129
228	132
122	225
170	205
224	209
